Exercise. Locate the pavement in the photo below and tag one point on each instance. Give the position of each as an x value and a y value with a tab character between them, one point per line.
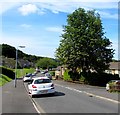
16	100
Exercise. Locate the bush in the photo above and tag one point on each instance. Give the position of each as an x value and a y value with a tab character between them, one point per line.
66	76
8	72
52	73
100	79
82	78
114	86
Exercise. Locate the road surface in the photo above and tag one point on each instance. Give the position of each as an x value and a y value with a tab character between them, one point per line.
77	98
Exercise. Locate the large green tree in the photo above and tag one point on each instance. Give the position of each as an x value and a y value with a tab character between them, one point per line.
84	44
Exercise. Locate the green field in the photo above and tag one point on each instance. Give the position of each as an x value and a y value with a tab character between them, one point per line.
22	72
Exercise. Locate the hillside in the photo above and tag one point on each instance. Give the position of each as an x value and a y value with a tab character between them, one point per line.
9	57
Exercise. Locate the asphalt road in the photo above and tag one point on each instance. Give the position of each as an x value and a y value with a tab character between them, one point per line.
77	98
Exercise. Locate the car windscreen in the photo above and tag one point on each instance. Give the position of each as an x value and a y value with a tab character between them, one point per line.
40	81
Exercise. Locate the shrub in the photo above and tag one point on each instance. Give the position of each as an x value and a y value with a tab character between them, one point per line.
82	78
8	72
100	79
66	76
52	73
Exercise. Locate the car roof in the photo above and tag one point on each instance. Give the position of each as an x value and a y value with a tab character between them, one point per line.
43	77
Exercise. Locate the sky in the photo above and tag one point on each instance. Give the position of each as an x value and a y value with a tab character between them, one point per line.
38	25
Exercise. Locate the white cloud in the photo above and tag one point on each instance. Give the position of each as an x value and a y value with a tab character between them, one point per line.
28	9
48	1
5	6
26	26
56	6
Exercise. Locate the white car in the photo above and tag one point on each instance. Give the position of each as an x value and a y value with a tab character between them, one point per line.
27	77
48	75
41	85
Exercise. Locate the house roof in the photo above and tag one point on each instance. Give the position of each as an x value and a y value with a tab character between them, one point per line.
114	65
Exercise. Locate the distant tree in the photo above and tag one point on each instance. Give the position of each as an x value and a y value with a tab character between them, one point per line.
46	63
83	44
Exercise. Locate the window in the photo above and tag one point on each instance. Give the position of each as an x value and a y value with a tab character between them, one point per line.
40	81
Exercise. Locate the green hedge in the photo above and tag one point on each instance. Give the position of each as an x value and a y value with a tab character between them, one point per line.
99	79
66	76
8	72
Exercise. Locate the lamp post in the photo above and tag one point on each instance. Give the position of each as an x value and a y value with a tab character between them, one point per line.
15	81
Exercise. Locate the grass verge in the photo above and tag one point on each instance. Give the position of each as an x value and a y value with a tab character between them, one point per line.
22	72
4	79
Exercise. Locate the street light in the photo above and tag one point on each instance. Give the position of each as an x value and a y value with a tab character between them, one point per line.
15	81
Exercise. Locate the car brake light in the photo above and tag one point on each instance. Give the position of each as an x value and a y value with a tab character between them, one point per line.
33	86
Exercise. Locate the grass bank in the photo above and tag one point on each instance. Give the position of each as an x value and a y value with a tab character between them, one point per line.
4	79
9	74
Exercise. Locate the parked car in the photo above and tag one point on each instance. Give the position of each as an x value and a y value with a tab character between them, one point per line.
27	77
44	71
41	85
113	82
48	75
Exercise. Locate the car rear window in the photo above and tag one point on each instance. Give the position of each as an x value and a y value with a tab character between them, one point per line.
40	81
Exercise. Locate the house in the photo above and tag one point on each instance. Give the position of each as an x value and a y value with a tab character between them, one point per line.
114	68
60	71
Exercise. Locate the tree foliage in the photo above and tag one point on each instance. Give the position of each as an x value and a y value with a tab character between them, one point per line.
8	51
84	44
47	63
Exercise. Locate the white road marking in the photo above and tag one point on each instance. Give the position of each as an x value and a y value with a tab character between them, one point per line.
40	110
101	97
88	93
35	108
